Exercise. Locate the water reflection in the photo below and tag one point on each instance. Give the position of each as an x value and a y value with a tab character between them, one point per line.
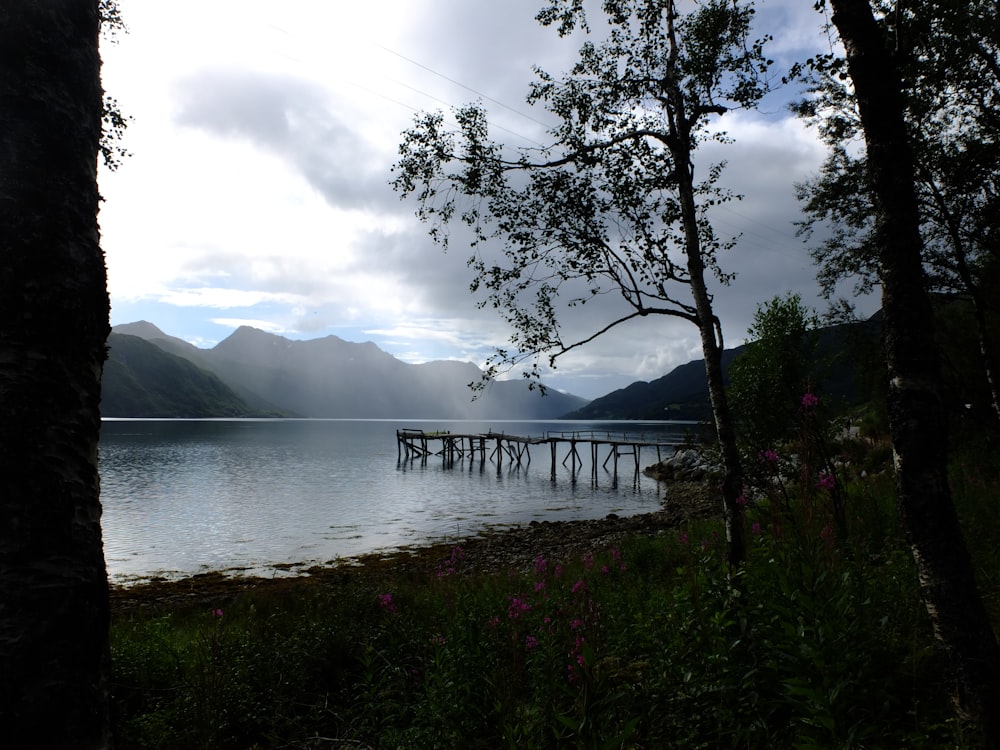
186	496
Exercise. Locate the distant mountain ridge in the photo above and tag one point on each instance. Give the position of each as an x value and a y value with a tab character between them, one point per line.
682	393
141	379
259	374
263	374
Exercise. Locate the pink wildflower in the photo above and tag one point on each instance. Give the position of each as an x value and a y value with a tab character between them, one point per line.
826	481
809	400
579	586
541	566
217	613
517	607
530	642
756	528
769	456
387	603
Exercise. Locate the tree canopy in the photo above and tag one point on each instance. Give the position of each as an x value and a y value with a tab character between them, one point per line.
948	54
597	211
613	205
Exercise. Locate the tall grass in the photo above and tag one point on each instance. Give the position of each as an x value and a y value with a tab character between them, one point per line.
819	642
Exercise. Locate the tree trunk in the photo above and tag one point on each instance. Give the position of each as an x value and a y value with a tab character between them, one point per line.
681	146
917	421
53	327
711	347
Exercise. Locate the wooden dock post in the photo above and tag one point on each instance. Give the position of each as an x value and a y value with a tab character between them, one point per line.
411	443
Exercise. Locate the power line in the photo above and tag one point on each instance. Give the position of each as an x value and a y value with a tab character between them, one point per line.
459	83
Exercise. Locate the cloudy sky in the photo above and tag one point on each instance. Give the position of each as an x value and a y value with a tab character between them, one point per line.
263	136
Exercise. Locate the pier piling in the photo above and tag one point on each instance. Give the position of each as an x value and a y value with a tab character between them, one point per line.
412	444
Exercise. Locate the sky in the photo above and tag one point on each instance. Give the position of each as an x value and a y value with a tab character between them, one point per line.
262	140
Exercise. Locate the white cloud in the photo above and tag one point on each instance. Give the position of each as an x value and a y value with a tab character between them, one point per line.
262	142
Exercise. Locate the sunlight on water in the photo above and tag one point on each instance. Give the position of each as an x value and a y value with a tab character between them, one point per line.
182	497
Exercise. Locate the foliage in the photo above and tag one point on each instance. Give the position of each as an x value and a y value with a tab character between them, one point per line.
113	121
818	642
947	52
767	379
611	208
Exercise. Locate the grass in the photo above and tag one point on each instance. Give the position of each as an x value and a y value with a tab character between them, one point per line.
819	642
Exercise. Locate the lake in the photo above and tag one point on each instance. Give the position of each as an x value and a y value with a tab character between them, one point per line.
188	496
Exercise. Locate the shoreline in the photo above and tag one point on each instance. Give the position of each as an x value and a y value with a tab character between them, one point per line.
506	548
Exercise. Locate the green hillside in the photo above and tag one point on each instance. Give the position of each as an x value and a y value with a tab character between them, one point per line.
142	380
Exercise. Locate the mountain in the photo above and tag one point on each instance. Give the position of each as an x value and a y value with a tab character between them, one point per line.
331	377
141	379
683	392
680	394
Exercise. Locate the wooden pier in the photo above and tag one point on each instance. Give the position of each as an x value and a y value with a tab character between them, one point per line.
499	447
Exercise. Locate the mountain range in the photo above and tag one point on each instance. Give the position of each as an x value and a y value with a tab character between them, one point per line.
257	374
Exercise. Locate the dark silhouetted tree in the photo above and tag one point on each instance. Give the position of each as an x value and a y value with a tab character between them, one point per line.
53	327
948	54
917	421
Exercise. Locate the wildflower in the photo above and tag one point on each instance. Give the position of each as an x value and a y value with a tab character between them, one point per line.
579	586
769	456
826	481
387	603
450	567
517	607
604	570
683	538
809	400
530	642
616	555
741	501
541	566
216	613
539	587
576	624
588	561
756	528
558	571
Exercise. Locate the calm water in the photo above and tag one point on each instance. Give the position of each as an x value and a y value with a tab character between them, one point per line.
183	497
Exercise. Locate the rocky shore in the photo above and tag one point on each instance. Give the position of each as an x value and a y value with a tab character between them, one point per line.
498	550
